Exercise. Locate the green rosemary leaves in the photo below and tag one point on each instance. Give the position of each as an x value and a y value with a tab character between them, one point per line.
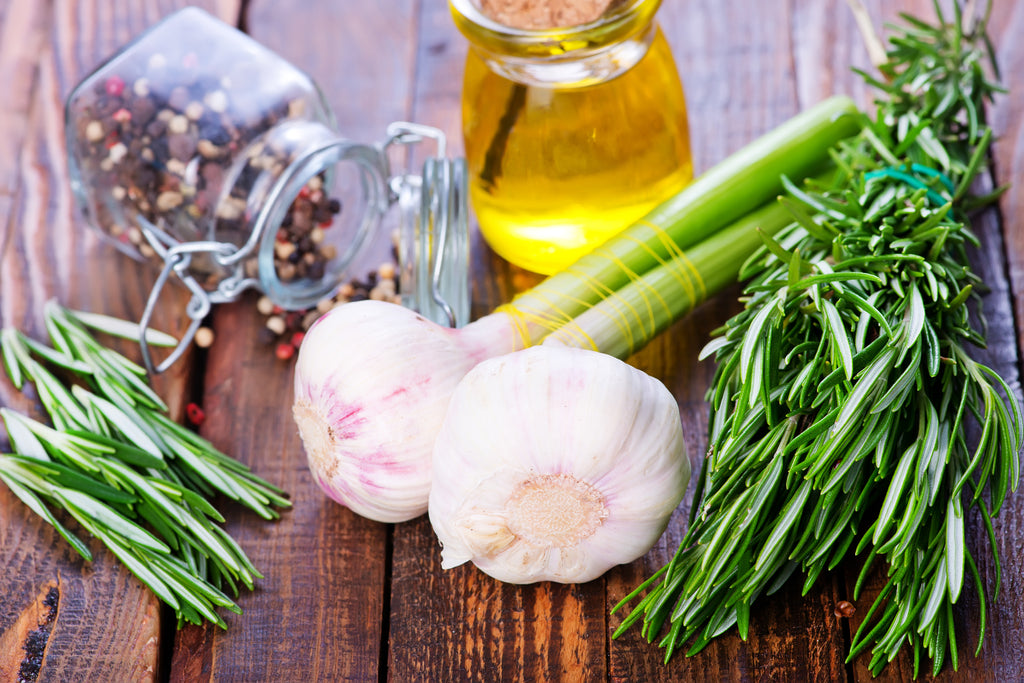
846	415
122	469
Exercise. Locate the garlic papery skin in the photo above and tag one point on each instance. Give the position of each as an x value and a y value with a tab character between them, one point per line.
555	464
372	384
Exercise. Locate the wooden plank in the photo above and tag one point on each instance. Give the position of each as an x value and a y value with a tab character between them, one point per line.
1000	658
46	251
461	624
745	69
318	614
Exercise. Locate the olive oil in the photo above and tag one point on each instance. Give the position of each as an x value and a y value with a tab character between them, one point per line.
555	171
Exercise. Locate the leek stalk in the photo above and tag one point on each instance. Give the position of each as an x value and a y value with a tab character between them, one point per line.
623	322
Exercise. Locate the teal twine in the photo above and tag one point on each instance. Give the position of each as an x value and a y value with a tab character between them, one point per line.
933	196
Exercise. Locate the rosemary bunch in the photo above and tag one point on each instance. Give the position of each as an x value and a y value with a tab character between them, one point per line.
128	474
844	394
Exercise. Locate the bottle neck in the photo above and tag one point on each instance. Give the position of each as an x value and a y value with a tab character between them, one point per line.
579	68
563	57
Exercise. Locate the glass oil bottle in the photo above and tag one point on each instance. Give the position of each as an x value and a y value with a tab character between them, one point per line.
570	133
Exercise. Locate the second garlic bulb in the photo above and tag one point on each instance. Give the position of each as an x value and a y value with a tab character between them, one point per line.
555	464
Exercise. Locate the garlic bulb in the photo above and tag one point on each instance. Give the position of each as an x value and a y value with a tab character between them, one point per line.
372	383
555	464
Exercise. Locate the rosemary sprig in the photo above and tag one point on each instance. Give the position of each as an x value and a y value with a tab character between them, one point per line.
843	396
128	474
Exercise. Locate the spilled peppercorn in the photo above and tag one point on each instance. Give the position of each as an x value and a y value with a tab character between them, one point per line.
285	330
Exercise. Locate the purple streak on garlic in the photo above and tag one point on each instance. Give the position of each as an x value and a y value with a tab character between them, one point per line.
372	384
555	464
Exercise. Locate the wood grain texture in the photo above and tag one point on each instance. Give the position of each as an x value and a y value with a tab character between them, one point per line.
460	625
108	624
23	645
1001	655
317	613
1008	121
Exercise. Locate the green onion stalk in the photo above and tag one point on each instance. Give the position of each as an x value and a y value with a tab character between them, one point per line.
624	321
847	416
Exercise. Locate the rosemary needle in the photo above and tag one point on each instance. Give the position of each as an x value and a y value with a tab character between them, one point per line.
844	393
128	474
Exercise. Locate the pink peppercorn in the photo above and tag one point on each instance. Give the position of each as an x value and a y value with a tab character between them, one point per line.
284	351
122	115
114	86
195	414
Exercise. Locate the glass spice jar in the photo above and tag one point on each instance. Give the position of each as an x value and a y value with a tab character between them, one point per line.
198	148
571	133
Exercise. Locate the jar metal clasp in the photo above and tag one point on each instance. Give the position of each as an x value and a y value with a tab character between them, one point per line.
177	257
433	240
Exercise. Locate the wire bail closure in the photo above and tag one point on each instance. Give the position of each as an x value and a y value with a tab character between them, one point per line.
433	229
433	246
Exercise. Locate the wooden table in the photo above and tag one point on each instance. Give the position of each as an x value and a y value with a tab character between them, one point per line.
349	599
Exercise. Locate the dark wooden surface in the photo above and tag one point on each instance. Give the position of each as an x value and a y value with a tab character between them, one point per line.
349	599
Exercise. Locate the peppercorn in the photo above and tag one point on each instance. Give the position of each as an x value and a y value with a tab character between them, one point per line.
264	305
204	337
276	324
845	609
195	414
114	86
166	139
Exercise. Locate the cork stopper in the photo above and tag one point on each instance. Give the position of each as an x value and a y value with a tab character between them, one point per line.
542	14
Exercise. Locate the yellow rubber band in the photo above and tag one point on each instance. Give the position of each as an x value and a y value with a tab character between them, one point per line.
543	310
679	256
